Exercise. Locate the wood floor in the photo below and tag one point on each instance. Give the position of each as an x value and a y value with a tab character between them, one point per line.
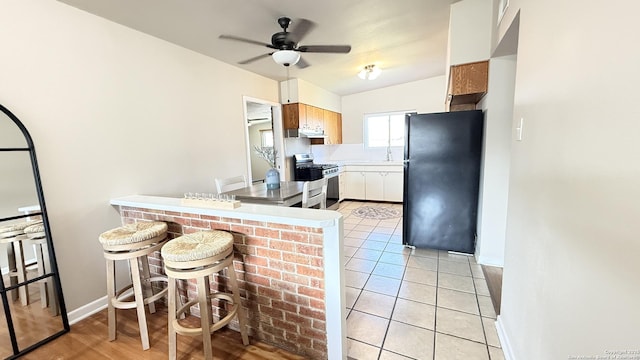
493	275
88	340
32	323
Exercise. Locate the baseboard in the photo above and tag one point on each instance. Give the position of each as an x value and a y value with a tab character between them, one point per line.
507	350
87	310
489	261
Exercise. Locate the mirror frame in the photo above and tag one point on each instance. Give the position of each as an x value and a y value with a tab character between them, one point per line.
17	352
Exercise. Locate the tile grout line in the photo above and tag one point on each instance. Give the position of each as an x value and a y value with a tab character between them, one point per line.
484	331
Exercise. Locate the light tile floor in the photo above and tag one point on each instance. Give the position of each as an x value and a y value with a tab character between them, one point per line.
412	304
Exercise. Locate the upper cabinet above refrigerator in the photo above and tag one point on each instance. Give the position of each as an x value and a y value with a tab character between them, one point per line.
468	83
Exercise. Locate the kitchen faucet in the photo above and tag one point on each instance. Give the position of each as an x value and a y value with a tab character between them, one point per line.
389	153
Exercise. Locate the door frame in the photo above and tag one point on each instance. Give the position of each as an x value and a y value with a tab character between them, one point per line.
278	138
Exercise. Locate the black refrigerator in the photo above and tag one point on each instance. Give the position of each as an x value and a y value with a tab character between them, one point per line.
442	156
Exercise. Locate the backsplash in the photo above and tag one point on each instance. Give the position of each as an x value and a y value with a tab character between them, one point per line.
350	152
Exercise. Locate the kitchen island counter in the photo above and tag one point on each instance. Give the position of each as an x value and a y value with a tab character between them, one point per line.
289	261
289	193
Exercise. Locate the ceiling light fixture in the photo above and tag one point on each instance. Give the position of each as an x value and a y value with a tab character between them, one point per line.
286	57
370	72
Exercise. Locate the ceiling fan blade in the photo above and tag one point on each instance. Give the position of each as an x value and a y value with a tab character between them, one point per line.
238	38
300	30
255	58
342	49
302	64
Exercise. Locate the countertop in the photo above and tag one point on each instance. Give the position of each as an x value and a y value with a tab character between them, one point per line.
370	162
287	190
286	215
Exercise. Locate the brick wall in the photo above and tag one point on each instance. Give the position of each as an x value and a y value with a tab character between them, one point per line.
280	271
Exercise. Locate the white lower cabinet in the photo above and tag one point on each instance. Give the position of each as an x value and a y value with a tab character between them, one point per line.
354	185
393	185
378	183
374	186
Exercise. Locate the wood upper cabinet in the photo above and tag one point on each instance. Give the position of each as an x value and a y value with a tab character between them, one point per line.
315	118
468	83
302	116
332	127
338	129
294	115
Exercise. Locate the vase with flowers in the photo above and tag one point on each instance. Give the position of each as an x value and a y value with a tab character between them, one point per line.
269	154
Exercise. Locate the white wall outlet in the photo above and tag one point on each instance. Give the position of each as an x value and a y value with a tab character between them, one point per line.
519	130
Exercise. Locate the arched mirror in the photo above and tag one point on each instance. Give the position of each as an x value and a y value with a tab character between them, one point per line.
33	310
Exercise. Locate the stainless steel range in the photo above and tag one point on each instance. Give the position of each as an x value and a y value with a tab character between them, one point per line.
307	170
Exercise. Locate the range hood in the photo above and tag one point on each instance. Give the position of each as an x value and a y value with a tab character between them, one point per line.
304	133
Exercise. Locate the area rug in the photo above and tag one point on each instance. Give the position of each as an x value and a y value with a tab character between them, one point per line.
376	212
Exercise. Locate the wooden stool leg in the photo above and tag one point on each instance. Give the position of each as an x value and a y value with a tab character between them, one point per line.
11	261
146	284
242	320
22	274
41	271
51	292
171	294
205	316
137	293
111	294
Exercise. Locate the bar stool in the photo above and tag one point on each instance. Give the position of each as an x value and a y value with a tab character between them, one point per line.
199	256
133	242
12	235
36	234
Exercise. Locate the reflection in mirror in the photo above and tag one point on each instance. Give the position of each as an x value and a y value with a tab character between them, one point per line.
17	187
33	323
33	310
260	134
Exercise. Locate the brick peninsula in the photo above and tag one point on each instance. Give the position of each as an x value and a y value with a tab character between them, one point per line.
289	262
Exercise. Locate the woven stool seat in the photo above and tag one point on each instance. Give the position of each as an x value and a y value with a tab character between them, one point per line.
133	233
36	230
133	243
11	230
200	256
197	246
13	235
18	226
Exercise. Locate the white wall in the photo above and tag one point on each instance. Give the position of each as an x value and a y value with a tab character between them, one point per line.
424	96
571	269
298	90
494	180
114	112
469	31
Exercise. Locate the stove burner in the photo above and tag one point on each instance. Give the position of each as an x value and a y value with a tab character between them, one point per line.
307	170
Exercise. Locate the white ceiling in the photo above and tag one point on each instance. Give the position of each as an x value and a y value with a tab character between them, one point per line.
406	38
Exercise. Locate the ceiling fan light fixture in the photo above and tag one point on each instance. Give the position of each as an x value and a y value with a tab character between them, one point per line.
286	57
369	72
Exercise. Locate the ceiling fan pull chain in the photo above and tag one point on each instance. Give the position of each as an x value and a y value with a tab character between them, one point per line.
288	90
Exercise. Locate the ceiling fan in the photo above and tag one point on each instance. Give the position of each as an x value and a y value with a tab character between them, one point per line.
285	43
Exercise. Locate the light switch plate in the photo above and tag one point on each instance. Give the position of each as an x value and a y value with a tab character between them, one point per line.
519	130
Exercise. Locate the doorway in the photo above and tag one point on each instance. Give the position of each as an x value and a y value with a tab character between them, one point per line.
263	129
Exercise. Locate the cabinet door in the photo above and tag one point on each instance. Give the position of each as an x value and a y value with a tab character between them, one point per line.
374	188
315	118
393	183
330	126
354	185
290	116
338	129
468	83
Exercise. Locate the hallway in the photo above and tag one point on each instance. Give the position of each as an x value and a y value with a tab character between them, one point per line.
412	304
